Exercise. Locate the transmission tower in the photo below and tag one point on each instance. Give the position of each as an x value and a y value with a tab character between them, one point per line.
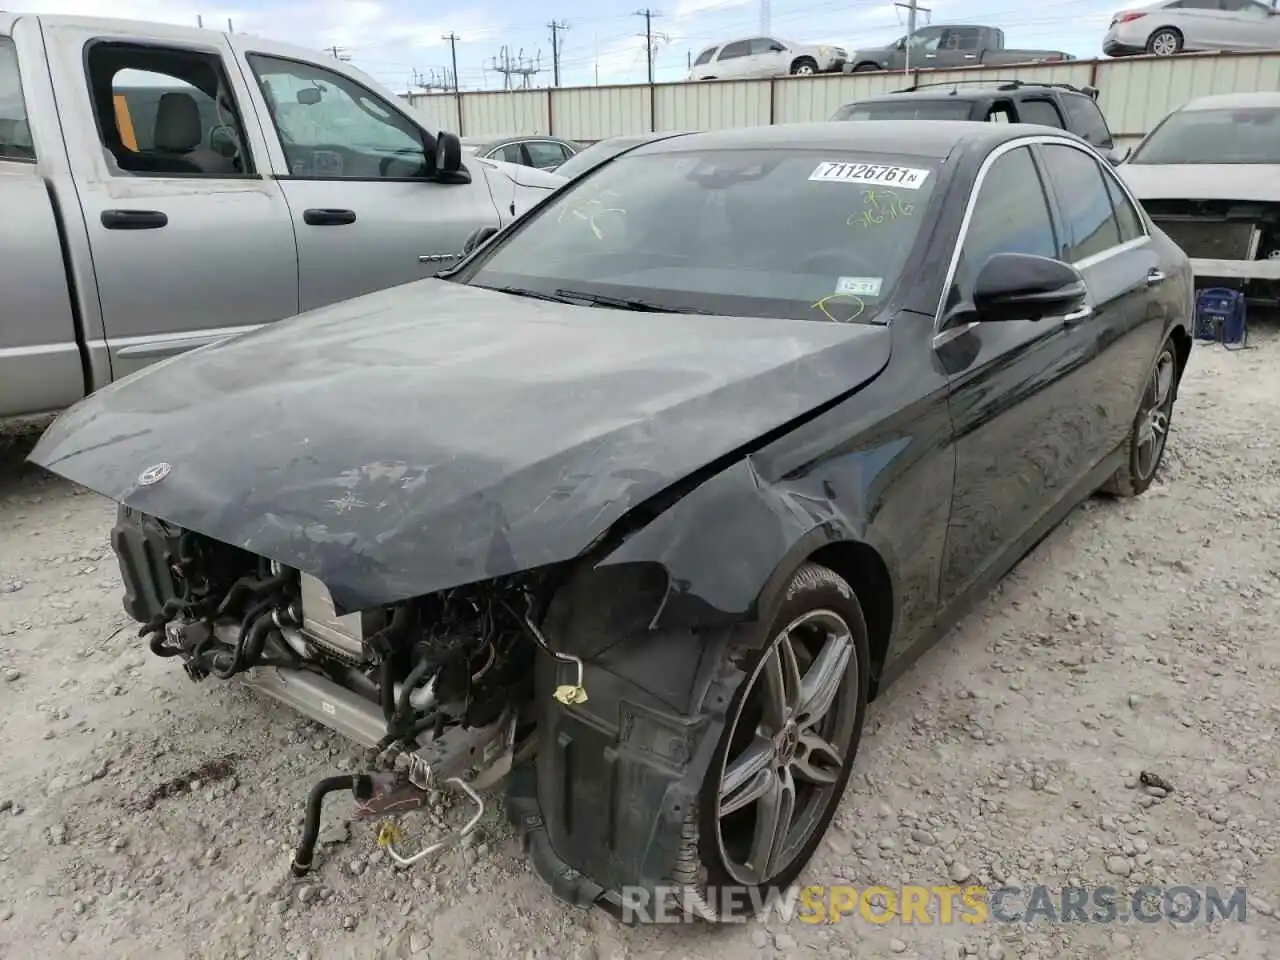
436	79
519	66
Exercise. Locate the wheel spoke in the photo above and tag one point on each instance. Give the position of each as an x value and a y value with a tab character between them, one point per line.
748	778
822	681
774	813
1164	382
781	684
816	760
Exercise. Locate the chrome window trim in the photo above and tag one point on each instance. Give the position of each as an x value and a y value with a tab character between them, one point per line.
991	158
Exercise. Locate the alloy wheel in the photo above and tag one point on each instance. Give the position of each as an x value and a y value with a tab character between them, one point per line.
1164	44
789	742
1153	423
804	70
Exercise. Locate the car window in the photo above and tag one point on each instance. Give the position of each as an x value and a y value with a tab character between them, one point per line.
927	38
761	45
1039	111
795	234
331	126
1086	205
705	56
594	155
508	152
1011	215
1087	120
731	51
1127	216
1195	5
165	112
544	154
1241	135
907	108
964	38
15	131
1001	112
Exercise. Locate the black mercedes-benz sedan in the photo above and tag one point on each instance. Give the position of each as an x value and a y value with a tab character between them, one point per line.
637	507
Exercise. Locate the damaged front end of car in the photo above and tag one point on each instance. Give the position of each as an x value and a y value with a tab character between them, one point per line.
1231	241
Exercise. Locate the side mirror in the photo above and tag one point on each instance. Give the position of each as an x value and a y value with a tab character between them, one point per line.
478	237
1021	286
778	48
448	153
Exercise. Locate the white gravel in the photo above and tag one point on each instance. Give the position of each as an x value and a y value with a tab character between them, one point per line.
1140	636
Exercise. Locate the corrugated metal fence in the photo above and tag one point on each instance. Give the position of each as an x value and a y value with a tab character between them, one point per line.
1135	93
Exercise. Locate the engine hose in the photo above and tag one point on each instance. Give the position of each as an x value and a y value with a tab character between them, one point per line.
383	641
255	635
257	641
251	587
158	647
359	784
387	693
401	723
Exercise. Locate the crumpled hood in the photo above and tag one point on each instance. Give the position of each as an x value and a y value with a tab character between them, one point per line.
1203	181
433	434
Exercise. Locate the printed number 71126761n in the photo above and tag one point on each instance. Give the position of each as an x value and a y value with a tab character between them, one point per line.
837	172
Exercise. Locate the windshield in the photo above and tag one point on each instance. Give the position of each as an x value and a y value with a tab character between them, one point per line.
796	233
1247	135
905	110
594	155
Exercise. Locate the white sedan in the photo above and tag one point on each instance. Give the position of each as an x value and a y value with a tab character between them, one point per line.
765	57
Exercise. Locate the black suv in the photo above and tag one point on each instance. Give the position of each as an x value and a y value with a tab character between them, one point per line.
1051	104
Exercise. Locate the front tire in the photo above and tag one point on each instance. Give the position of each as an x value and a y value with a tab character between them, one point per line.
788	747
804	67
866	68
1150	432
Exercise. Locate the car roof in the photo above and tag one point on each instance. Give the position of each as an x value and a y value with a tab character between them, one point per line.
961	92
935	139
1233	101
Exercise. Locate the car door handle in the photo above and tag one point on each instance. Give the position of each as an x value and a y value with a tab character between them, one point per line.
1155	277
133	219
328	217
971	56
1076	316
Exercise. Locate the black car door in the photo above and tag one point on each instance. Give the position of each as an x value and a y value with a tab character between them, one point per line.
1017	389
1106	239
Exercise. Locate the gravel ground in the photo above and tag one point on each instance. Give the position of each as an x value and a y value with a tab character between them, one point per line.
143	815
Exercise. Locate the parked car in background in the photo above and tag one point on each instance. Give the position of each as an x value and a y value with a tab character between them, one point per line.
1058	105
639	506
1209	176
601	150
1173	26
251	181
542	153
947	47
766	57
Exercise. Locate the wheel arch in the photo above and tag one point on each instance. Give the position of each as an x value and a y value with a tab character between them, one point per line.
1181	346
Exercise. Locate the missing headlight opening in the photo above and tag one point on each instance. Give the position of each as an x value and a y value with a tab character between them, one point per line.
431	684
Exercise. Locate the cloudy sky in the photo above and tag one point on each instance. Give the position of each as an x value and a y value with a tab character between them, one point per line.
396	40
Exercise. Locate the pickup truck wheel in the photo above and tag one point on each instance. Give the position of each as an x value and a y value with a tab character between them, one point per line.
1165	42
1150	432
789	742
804	67
866	68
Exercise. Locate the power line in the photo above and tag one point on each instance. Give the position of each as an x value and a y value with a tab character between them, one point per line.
648	35
556	30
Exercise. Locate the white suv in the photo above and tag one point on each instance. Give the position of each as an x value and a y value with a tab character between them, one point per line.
766	57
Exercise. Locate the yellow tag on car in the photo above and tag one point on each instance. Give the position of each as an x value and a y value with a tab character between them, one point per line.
571	694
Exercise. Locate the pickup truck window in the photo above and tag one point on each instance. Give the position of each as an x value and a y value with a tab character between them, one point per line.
184	120
926	38
15	131
964	38
332	127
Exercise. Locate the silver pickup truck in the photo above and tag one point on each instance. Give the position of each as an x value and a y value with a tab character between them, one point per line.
164	187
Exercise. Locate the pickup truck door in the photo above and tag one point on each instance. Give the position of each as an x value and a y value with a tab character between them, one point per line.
923	53
190	242
350	162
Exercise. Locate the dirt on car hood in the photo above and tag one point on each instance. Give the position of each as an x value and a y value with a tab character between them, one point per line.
435	434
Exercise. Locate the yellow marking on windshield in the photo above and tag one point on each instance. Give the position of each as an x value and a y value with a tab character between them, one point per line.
859	306
878	206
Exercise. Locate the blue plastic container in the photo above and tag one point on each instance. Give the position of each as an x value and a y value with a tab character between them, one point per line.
1221	316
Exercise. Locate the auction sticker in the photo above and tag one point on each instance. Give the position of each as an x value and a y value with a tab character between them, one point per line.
832	171
859	286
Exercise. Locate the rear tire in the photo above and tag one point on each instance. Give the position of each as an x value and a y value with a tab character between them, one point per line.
1150	432
1165	42
788	747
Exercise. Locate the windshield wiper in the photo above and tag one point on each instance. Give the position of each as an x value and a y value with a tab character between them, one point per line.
621	303
522	292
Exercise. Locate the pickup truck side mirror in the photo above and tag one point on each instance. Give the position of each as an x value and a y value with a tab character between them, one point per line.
449	168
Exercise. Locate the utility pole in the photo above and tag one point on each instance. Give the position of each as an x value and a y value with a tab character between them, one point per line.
556	49
648	36
339	53
453	55
766	17
912	8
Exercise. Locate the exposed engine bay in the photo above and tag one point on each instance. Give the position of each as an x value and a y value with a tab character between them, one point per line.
438	686
1230	240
